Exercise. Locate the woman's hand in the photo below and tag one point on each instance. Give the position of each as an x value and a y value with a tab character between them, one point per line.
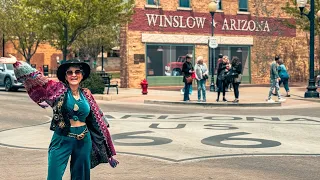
8	60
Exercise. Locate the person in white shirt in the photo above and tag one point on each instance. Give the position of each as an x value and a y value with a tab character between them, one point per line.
201	72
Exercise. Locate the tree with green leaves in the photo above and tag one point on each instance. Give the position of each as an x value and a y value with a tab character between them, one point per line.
302	22
66	20
21	27
89	44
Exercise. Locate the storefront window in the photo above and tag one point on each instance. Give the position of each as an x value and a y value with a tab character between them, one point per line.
242	52
166	60
184	3
151	2
243	5
219	4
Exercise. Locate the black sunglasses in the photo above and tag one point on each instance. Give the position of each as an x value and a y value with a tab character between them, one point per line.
77	72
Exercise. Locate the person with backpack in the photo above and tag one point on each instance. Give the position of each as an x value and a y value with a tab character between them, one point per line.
283	73
274	80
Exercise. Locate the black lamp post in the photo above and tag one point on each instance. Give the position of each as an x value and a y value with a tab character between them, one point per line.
312	89
212	10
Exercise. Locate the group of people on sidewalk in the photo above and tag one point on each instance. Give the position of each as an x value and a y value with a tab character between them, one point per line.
229	74
226	74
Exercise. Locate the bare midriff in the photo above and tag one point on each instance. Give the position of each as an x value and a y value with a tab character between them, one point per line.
74	123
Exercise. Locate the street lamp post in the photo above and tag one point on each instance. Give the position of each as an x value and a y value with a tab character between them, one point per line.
212	10
312	89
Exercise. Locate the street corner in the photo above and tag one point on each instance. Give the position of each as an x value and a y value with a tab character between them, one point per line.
214	104
102	97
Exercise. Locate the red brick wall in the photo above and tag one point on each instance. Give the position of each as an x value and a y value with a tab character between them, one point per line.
45	55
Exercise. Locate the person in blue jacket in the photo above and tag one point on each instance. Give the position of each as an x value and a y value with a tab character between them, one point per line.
283	73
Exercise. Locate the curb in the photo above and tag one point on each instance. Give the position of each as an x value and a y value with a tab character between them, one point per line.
206	104
102	97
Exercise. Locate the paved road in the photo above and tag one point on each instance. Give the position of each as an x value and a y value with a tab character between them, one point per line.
160	142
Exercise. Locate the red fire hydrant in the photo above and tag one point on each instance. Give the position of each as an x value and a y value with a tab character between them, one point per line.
144	86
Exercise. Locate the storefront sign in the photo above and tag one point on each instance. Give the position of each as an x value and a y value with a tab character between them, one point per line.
245	25
175	21
200	23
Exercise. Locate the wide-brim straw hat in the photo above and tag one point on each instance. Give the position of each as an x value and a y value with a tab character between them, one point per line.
62	69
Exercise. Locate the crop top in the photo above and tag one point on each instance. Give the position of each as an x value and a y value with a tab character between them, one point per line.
78	110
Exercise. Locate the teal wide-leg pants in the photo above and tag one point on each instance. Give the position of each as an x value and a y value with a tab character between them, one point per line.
61	147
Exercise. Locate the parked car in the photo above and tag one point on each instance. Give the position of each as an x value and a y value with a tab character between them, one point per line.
8	79
175	68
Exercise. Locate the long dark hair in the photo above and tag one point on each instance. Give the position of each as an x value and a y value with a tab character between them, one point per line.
235	61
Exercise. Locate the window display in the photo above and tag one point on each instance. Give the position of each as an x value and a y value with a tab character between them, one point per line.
166	60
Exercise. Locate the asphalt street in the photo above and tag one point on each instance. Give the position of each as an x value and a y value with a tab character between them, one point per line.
167	142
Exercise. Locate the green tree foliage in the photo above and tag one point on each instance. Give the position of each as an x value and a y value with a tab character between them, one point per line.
66	20
20	25
90	42
94	83
302	22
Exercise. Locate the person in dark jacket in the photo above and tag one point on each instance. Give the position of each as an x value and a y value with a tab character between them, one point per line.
187	70
220	58
236	68
222	71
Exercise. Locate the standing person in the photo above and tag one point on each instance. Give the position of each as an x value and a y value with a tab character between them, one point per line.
274	80
80	128
220	59
229	81
201	71
187	70
236	67
283	73
222	80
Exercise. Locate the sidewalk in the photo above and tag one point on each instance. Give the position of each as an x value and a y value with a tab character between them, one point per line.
254	96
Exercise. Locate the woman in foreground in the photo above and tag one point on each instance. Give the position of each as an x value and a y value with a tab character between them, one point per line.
80	130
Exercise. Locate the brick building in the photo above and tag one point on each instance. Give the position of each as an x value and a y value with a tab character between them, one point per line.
162	32
46	55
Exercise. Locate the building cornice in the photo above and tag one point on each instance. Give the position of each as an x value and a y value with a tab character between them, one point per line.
195	39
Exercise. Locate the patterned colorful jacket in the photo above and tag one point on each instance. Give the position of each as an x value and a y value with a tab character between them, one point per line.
40	90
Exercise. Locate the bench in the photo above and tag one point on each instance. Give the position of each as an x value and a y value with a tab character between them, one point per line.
107	81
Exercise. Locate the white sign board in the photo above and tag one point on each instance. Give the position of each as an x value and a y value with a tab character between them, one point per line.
213	42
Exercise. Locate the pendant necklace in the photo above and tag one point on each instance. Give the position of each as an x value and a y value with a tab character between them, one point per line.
75	107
